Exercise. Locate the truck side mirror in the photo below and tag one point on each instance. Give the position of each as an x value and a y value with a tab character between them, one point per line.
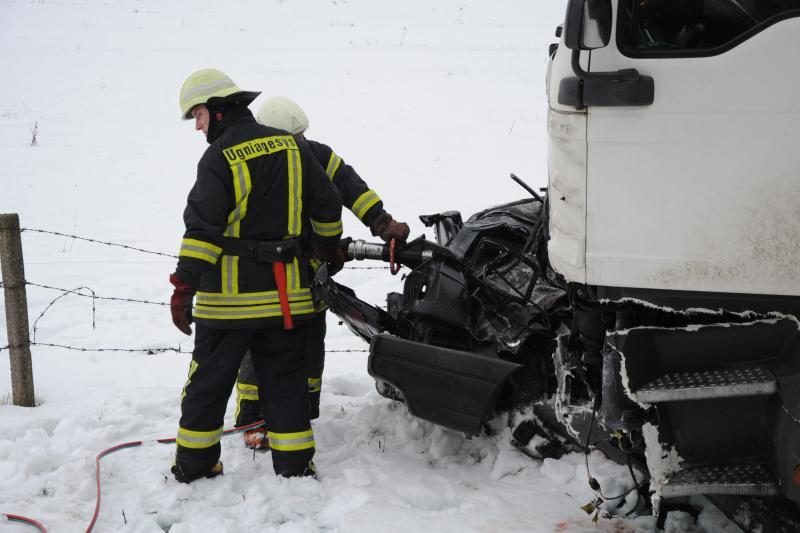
588	24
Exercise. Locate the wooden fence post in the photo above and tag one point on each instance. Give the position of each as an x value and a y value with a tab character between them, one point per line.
16	310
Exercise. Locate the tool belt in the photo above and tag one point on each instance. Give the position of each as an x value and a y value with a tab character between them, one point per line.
262	251
276	252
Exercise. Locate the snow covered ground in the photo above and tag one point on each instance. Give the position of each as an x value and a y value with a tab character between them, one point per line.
433	102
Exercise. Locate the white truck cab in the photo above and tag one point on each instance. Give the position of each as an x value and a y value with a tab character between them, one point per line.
674	217
674	159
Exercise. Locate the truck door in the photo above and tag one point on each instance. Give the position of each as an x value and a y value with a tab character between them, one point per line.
700	190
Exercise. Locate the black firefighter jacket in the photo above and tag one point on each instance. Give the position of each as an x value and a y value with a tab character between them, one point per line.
256	183
356	194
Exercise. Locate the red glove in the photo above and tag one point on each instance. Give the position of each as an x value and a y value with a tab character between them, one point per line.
387	228
181	304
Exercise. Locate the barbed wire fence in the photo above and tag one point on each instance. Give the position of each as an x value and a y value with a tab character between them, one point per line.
96	241
162	254
87	292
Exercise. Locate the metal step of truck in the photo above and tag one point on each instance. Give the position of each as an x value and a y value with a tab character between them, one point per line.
739	480
707	384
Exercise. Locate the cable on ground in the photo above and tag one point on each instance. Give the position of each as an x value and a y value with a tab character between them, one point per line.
135	444
25	520
594	484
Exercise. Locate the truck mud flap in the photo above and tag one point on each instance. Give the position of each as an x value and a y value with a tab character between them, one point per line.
451	388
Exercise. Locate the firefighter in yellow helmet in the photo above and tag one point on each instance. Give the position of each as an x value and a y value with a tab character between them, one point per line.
282	113
242	260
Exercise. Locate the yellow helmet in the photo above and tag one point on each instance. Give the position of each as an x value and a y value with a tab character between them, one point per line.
282	113
210	84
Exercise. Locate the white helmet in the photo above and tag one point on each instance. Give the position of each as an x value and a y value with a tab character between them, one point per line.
282	113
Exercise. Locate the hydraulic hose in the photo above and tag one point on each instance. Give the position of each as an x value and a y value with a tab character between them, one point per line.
135	444
25	520
109	451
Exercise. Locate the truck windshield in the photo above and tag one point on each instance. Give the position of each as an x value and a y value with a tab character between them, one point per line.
695	27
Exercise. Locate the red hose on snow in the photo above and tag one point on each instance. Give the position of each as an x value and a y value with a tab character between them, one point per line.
134	444
25	520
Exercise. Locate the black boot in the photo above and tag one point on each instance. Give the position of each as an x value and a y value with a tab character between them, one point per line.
215	471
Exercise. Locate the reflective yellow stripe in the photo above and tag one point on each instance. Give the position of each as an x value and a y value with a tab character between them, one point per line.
246	391
253	397
230	264
327	229
192	369
314	384
293	278
246	386
200	250
364	202
198	440
295	186
291	442
256	311
258	147
242	186
250	298
333	165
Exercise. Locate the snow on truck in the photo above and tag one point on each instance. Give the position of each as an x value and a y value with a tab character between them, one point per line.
649	304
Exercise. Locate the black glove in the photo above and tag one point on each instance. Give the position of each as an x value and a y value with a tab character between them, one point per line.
336	257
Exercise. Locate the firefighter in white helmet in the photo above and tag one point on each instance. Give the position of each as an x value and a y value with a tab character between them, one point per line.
283	113
243	260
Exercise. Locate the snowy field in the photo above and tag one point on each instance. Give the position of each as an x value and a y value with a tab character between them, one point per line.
434	103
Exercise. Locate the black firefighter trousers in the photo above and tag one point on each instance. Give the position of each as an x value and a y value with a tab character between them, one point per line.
248	407
279	365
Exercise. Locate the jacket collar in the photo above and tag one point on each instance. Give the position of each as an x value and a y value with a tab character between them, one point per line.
230	117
